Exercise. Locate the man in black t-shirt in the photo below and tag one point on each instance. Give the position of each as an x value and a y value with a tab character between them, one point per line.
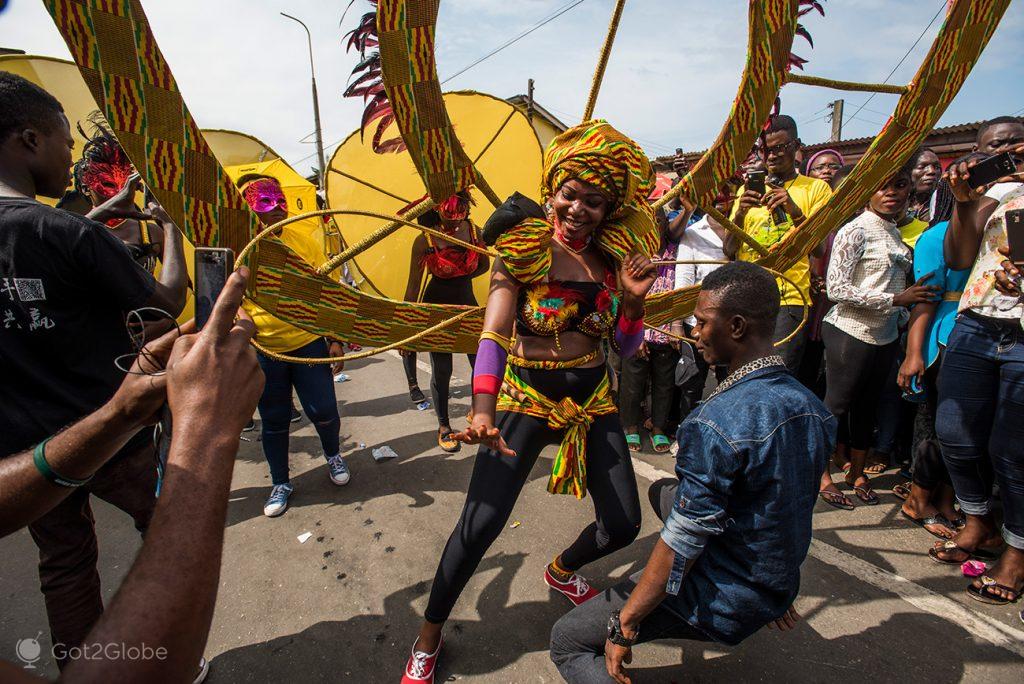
66	284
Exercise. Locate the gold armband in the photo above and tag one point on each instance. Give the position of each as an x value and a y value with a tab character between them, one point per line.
500	339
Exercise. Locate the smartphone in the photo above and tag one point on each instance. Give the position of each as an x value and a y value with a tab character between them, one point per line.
1015	235
991	170
756	181
213	266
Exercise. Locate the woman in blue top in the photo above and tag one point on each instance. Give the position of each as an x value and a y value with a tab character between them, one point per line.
928	501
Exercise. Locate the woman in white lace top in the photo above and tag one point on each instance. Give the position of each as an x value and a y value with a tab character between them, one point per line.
867	279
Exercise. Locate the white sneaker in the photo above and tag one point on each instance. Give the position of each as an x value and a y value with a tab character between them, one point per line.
277	502
339	470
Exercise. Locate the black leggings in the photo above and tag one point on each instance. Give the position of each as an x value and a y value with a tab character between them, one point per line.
497	481
857	373
409	363
440	379
443	291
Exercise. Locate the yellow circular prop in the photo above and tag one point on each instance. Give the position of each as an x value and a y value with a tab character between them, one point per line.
61	79
495	134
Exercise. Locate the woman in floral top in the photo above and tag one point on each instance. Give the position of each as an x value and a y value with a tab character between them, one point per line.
981	392
867	277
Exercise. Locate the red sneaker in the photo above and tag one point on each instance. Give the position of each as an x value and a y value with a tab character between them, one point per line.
576	589
420	667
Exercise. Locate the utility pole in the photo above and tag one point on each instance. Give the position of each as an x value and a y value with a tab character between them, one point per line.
322	170
837	120
529	102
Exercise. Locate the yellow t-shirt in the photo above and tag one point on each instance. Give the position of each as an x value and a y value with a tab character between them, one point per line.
305	238
810	194
912	231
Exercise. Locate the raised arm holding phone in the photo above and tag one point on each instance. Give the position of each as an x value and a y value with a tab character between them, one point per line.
212	383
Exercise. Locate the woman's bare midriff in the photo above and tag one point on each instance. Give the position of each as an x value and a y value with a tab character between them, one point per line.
573	346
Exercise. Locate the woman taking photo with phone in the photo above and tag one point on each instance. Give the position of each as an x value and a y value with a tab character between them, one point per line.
981	382
560	287
313	384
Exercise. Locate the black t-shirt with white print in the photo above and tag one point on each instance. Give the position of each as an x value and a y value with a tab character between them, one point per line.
66	284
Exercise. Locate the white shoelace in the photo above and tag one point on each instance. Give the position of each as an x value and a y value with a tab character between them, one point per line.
418	668
581	584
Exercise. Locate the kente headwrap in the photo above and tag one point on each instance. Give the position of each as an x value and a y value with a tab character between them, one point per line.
595	153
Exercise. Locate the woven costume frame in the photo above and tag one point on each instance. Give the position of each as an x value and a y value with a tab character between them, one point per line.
115	50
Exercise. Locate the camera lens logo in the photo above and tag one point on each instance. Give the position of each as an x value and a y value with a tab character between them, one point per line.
29	651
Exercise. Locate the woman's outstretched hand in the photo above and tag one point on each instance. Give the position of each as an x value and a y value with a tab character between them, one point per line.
482	431
637	274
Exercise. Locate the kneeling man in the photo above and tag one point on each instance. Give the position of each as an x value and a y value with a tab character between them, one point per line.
738	521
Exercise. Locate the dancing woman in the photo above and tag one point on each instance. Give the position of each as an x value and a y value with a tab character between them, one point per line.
452	269
560	286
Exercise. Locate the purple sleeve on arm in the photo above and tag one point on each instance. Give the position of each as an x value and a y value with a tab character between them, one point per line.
489	368
628	336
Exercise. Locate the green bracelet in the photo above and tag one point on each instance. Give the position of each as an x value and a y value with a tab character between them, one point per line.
39	458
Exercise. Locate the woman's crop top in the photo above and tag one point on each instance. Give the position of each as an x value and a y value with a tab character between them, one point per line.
547	308
451	261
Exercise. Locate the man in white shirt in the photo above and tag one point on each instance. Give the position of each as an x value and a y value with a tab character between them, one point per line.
702	241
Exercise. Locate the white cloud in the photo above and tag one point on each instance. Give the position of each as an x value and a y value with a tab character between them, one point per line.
670	82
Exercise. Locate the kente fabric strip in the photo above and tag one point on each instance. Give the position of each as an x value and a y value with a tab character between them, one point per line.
536	364
407	47
120	61
569	470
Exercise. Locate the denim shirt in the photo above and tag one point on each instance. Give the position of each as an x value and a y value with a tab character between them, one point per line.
749	464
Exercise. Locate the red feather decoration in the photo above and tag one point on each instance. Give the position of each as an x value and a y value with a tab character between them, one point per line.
368	83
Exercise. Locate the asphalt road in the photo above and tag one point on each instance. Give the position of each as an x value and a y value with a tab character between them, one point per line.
346	604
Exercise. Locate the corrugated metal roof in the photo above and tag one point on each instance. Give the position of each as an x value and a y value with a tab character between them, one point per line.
852	142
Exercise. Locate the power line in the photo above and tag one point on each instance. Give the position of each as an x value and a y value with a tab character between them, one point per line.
543	22
508	43
942	6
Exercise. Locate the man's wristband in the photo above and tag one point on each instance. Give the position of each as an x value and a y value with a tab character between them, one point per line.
39	458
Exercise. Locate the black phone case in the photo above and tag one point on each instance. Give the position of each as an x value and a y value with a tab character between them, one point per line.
991	170
1015	234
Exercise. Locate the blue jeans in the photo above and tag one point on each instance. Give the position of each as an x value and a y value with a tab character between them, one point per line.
979	421
315	388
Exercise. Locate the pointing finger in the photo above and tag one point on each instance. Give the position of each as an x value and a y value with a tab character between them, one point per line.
222	318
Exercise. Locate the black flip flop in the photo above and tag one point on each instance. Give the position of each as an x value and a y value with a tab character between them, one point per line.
984	594
930	520
867	496
950	545
830	498
902	490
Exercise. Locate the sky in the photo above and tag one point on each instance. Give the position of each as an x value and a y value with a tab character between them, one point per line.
670	82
